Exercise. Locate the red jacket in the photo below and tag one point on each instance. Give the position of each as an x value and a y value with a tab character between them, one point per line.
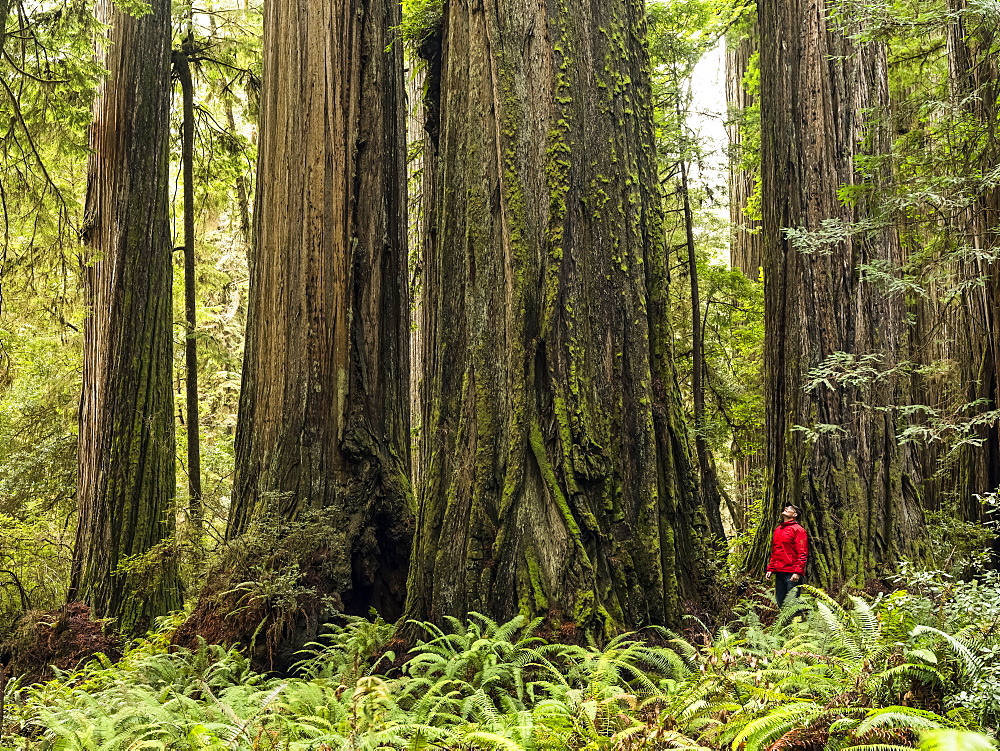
789	549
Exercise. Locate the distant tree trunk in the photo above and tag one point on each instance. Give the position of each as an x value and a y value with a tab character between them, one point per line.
126	445
4	12
420	181
5	6
745	247
183	67
745	240
825	450
961	333
242	190
324	418
556	473
708	481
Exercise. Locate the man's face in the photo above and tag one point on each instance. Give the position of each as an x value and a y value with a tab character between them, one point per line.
788	513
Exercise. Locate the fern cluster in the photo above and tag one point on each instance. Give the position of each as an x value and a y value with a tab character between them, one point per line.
868	676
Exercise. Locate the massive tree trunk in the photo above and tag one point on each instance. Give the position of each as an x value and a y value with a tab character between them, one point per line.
831	450
956	326
323	427
126	448
973	62
556	472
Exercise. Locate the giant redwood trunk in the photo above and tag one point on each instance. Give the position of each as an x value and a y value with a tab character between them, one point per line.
555	470
831	450
974	78
126	445
323	426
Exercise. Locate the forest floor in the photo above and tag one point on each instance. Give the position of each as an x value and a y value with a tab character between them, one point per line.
918	666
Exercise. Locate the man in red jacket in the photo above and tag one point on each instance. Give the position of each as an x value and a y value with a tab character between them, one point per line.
789	551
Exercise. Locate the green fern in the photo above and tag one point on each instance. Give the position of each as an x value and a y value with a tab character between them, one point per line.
900	717
971	665
955	740
760	733
345	652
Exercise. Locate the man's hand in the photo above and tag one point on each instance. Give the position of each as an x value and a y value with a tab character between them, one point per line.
795	577
767	574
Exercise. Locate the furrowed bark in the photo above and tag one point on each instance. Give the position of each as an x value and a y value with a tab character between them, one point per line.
556	473
126	444
324	418
816	86
973	71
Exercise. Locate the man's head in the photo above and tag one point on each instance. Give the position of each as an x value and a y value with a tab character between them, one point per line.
790	512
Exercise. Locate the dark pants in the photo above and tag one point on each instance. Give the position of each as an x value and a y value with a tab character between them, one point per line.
783	585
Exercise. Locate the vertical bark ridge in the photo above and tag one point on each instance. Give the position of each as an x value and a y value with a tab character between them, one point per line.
324	412
972	73
816	86
553	467
126	446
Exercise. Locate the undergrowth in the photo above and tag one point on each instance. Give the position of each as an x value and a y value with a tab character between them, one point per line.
912	668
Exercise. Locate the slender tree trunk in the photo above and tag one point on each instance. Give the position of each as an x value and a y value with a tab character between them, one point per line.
826	451
4	12
3	685
324	416
126	445
5	6
706	468
556	472
242	190
183	67
420	182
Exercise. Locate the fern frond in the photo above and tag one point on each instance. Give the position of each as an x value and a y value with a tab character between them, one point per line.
844	724
761	732
685	650
869	626
837	620
955	740
972	666
506	631
900	717
491	740
909	672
